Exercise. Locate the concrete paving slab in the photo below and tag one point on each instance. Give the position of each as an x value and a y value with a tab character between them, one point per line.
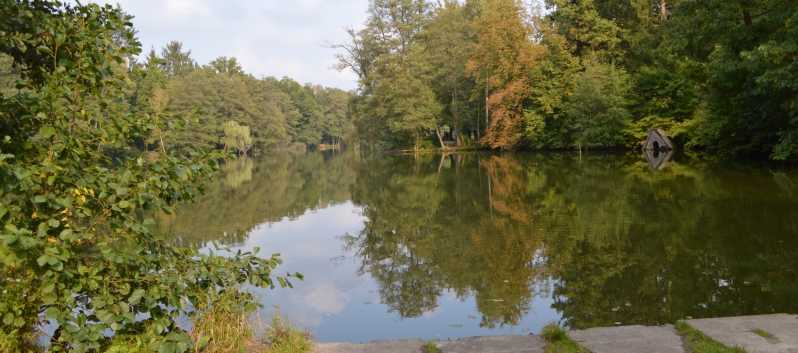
739	331
494	344
630	339
386	346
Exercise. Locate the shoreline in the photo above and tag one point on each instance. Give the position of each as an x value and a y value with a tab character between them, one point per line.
740	331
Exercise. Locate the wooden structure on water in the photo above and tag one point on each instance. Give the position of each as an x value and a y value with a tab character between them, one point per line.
657	140
658	149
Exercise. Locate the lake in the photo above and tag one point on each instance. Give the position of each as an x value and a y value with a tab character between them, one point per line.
448	246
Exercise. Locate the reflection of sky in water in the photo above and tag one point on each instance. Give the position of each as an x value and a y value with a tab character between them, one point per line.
309	245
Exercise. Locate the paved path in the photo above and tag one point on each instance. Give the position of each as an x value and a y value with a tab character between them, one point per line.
387	346
648	339
494	344
739	331
731	331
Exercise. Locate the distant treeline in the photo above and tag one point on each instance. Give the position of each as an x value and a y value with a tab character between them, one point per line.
719	75
237	111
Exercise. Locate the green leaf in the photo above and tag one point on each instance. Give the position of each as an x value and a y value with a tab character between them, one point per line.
39	199
135	297
44	49
42	260
48	287
122	191
47	131
52	313
65	234
54	223
178	337
10	239
124	204
19	322
105	315
203	342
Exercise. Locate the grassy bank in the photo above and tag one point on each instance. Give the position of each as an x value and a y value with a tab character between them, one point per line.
698	342
558	341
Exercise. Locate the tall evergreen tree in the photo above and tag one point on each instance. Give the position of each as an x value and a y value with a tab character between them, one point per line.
175	61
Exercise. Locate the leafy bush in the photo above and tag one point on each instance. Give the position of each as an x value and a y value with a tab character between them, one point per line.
75	253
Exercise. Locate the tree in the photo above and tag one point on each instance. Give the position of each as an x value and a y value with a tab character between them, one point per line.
72	236
546	119
308	127
501	63
587	31
8	76
598	106
175	61
335	105
158	103
450	40
125	37
385	55
227	66
416	108
237	137
185	94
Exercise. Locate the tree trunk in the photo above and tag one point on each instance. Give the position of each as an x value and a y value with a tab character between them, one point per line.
415	135
487	107
749	22
663	12
437	132
455	116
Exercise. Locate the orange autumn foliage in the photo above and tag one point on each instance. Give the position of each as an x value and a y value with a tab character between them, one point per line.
501	61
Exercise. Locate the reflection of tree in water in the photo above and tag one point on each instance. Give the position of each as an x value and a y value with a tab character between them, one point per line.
430	229
250	193
697	239
237	171
700	238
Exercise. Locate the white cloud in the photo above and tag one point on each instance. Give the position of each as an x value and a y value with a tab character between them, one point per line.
269	37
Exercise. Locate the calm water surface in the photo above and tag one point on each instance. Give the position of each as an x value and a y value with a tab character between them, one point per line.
481	244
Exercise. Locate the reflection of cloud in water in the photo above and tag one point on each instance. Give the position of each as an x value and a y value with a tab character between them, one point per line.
430	314
308	244
323	298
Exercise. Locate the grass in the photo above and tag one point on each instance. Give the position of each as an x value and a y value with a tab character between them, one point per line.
285	337
229	325
224	326
763	333
698	342
559	341
429	347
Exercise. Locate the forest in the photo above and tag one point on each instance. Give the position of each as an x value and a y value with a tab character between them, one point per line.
237	112
566	74
501	74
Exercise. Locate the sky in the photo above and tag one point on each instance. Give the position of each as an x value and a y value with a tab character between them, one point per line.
268	37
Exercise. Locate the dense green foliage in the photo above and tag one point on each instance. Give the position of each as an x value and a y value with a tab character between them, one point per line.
714	74
80	269
279	114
